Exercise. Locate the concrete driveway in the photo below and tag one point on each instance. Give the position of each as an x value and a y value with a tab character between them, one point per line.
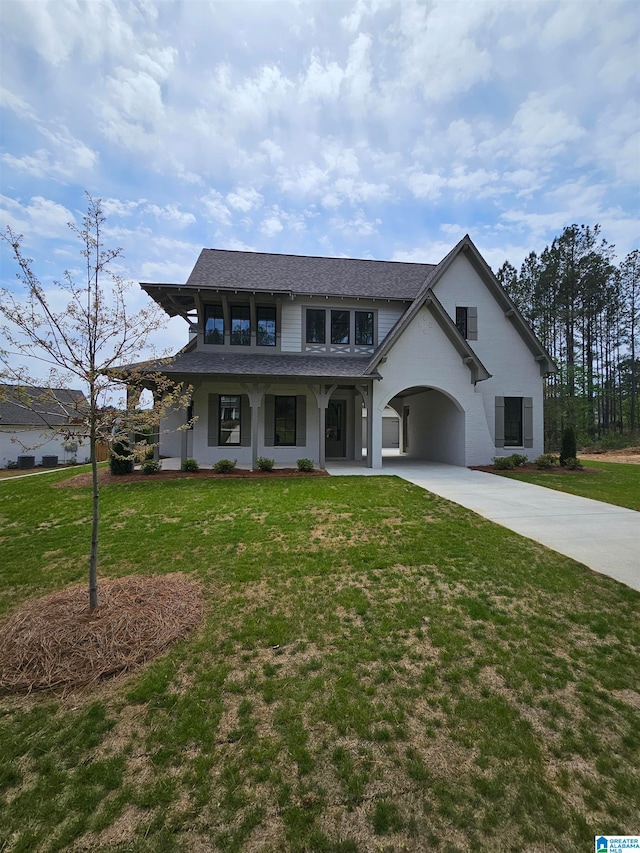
605	538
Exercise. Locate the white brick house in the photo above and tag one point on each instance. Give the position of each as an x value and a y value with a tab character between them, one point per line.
294	356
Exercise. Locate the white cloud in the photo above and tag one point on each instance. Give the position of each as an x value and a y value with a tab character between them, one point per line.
40	217
358	225
171	213
216	208
244	199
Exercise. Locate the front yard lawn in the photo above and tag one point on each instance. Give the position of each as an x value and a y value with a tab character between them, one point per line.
615	483
379	669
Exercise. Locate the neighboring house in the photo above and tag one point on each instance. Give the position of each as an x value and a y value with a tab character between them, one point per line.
42	422
294	357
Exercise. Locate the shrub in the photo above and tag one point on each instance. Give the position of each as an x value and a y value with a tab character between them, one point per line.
120	458
190	465
150	466
519	459
573	464
503	463
305	464
264	464
224	466
546	461
568	444
12	465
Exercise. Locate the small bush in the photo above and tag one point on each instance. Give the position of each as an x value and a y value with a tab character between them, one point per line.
120	459
568	445
503	463
190	465
224	466
150	466
573	464
305	464
519	459
264	464
546	461
12	465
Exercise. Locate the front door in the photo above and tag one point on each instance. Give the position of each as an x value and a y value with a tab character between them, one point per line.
336	433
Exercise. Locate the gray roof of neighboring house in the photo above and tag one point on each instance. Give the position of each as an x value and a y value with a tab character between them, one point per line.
33	406
259	272
275	366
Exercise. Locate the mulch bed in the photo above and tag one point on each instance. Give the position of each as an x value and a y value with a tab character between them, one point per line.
533	469
55	642
106	477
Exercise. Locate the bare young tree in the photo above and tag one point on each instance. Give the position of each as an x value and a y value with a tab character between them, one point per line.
88	342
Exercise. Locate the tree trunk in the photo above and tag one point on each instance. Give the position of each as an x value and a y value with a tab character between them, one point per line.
93	557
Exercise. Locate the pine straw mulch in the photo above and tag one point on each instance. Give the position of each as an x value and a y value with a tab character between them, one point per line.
54	642
106	477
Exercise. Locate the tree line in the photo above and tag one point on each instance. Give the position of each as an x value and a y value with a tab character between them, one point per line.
585	308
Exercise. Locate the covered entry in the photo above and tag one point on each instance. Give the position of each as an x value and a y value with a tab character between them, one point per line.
432	425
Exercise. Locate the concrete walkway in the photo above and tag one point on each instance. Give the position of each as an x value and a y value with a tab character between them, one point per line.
605	538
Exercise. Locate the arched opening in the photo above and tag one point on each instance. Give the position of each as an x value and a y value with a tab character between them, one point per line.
432	425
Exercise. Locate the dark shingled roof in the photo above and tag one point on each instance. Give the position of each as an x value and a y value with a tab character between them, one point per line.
40	406
219	268
280	366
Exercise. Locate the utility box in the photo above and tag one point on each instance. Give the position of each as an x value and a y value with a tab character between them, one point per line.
49	461
26	461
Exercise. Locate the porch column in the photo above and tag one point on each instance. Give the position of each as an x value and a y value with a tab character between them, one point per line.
367	396
155	429
374	438
255	393
322	393
184	451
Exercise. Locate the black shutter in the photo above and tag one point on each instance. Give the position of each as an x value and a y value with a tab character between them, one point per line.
214	417
499	422
527	421
301	420
472	324
269	420
245	421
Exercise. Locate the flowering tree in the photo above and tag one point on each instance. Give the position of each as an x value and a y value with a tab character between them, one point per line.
93	342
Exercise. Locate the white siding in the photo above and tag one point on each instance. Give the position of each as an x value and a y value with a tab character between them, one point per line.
291	335
387	318
38	443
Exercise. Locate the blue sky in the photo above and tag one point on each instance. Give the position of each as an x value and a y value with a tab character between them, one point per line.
371	129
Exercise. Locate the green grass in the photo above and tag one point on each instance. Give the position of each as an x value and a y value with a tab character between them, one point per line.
379	670
615	483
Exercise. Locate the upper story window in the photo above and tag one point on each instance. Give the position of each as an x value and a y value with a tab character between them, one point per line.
364	328
467	322
340	327
316	332
266	326
240	325
461	321
214	325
